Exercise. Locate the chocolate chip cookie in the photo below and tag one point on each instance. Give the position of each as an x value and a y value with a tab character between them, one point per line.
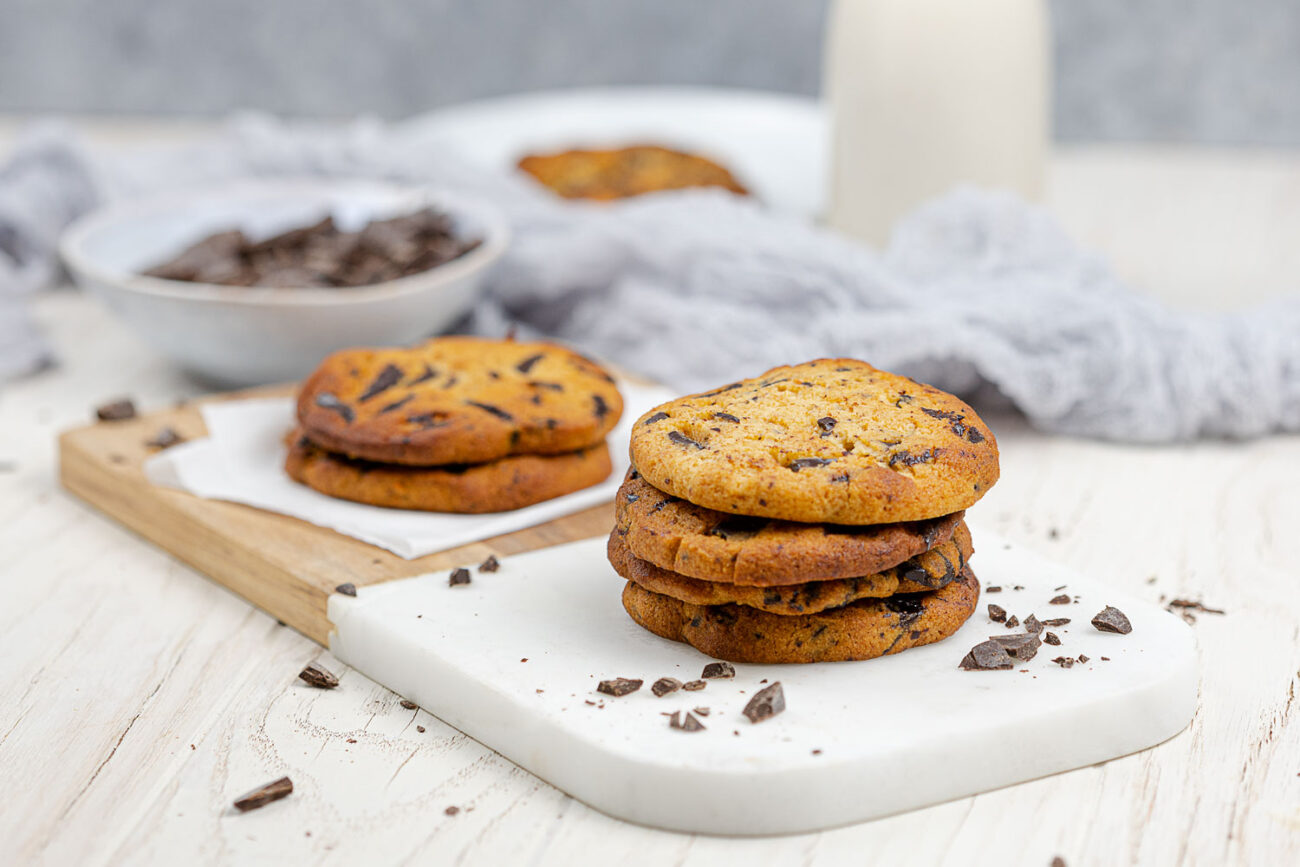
495	486
458	400
935	568
605	175
833	440
864	629
716	546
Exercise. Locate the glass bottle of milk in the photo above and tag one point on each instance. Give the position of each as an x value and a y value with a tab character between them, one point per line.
928	94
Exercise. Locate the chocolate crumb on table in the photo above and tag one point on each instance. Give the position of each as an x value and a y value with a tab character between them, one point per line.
408	704
118	410
260	797
993	589
318	676
451	811
164	439
1062	599
458	577
1023	646
619	686
986	656
1032	624
1051	638
694	685
491	564
420	729
997	613
687	723
718	670
1111	619
664	685
766	703
346	589
1013	621
1064	661
1056	621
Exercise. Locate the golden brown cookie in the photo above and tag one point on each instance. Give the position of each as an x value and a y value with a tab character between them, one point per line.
496	486
458	400
862	630
616	174
716	546
934	569
833	440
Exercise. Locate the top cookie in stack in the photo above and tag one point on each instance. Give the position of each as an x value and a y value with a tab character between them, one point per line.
811	514
458	424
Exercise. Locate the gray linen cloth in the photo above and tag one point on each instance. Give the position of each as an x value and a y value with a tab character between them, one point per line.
977	293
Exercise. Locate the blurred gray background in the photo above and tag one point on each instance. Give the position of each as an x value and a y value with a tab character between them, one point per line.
1214	71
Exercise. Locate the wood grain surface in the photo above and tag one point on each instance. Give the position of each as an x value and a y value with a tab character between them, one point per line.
284	566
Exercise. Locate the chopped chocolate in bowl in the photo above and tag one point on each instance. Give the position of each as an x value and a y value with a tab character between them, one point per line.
321	255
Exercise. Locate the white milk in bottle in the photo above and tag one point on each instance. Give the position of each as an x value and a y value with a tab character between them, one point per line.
928	94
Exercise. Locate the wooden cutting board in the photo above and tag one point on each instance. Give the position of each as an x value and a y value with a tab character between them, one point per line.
284	566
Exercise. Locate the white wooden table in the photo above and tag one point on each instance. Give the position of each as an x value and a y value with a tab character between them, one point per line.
137	699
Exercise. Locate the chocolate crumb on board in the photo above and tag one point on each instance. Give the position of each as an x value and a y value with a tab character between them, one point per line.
118	410
1111	619
1056	621
986	656
164	439
665	685
1051	638
1082	658
997	613
420	729
702	711
619	686
1058	861
1023	646
408	704
260	797
1032	624
1064	661
1013	621
318	676
458	577
491	564
687	723
996	588
1192	605
347	589
766	703
694	685
451	811
1063	599
718	670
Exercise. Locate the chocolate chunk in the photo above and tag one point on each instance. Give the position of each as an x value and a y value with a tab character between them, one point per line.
602	408
451	811
1032	624
318	676
987	656
458	577
687	723
425	375
632	498
408	704
807	463
1192	605
1051	638
1013	621
665	685
1111	619
716	670
165	439
683	440
973	435
841	478
397	404
1082	658
732	387
326	400
1023	647
347	589
766	703
739	527
908	459
993	589
659	416
694	685
428	420
1056	621
1064	661
420	729
118	410
260	797
619	686
495	410
1063	599
386	379
726	416
997	613
827	424
702	711
491	564
527	364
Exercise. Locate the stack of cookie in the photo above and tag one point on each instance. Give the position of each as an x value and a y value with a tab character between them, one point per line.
813	514
458	424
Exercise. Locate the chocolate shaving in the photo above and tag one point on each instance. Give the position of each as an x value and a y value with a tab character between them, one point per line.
718	670
619	686
1056	621
1111	619
387	378
118	410
664	685
347	589
260	797
318	676
458	577
687	723
766	703
1192	605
